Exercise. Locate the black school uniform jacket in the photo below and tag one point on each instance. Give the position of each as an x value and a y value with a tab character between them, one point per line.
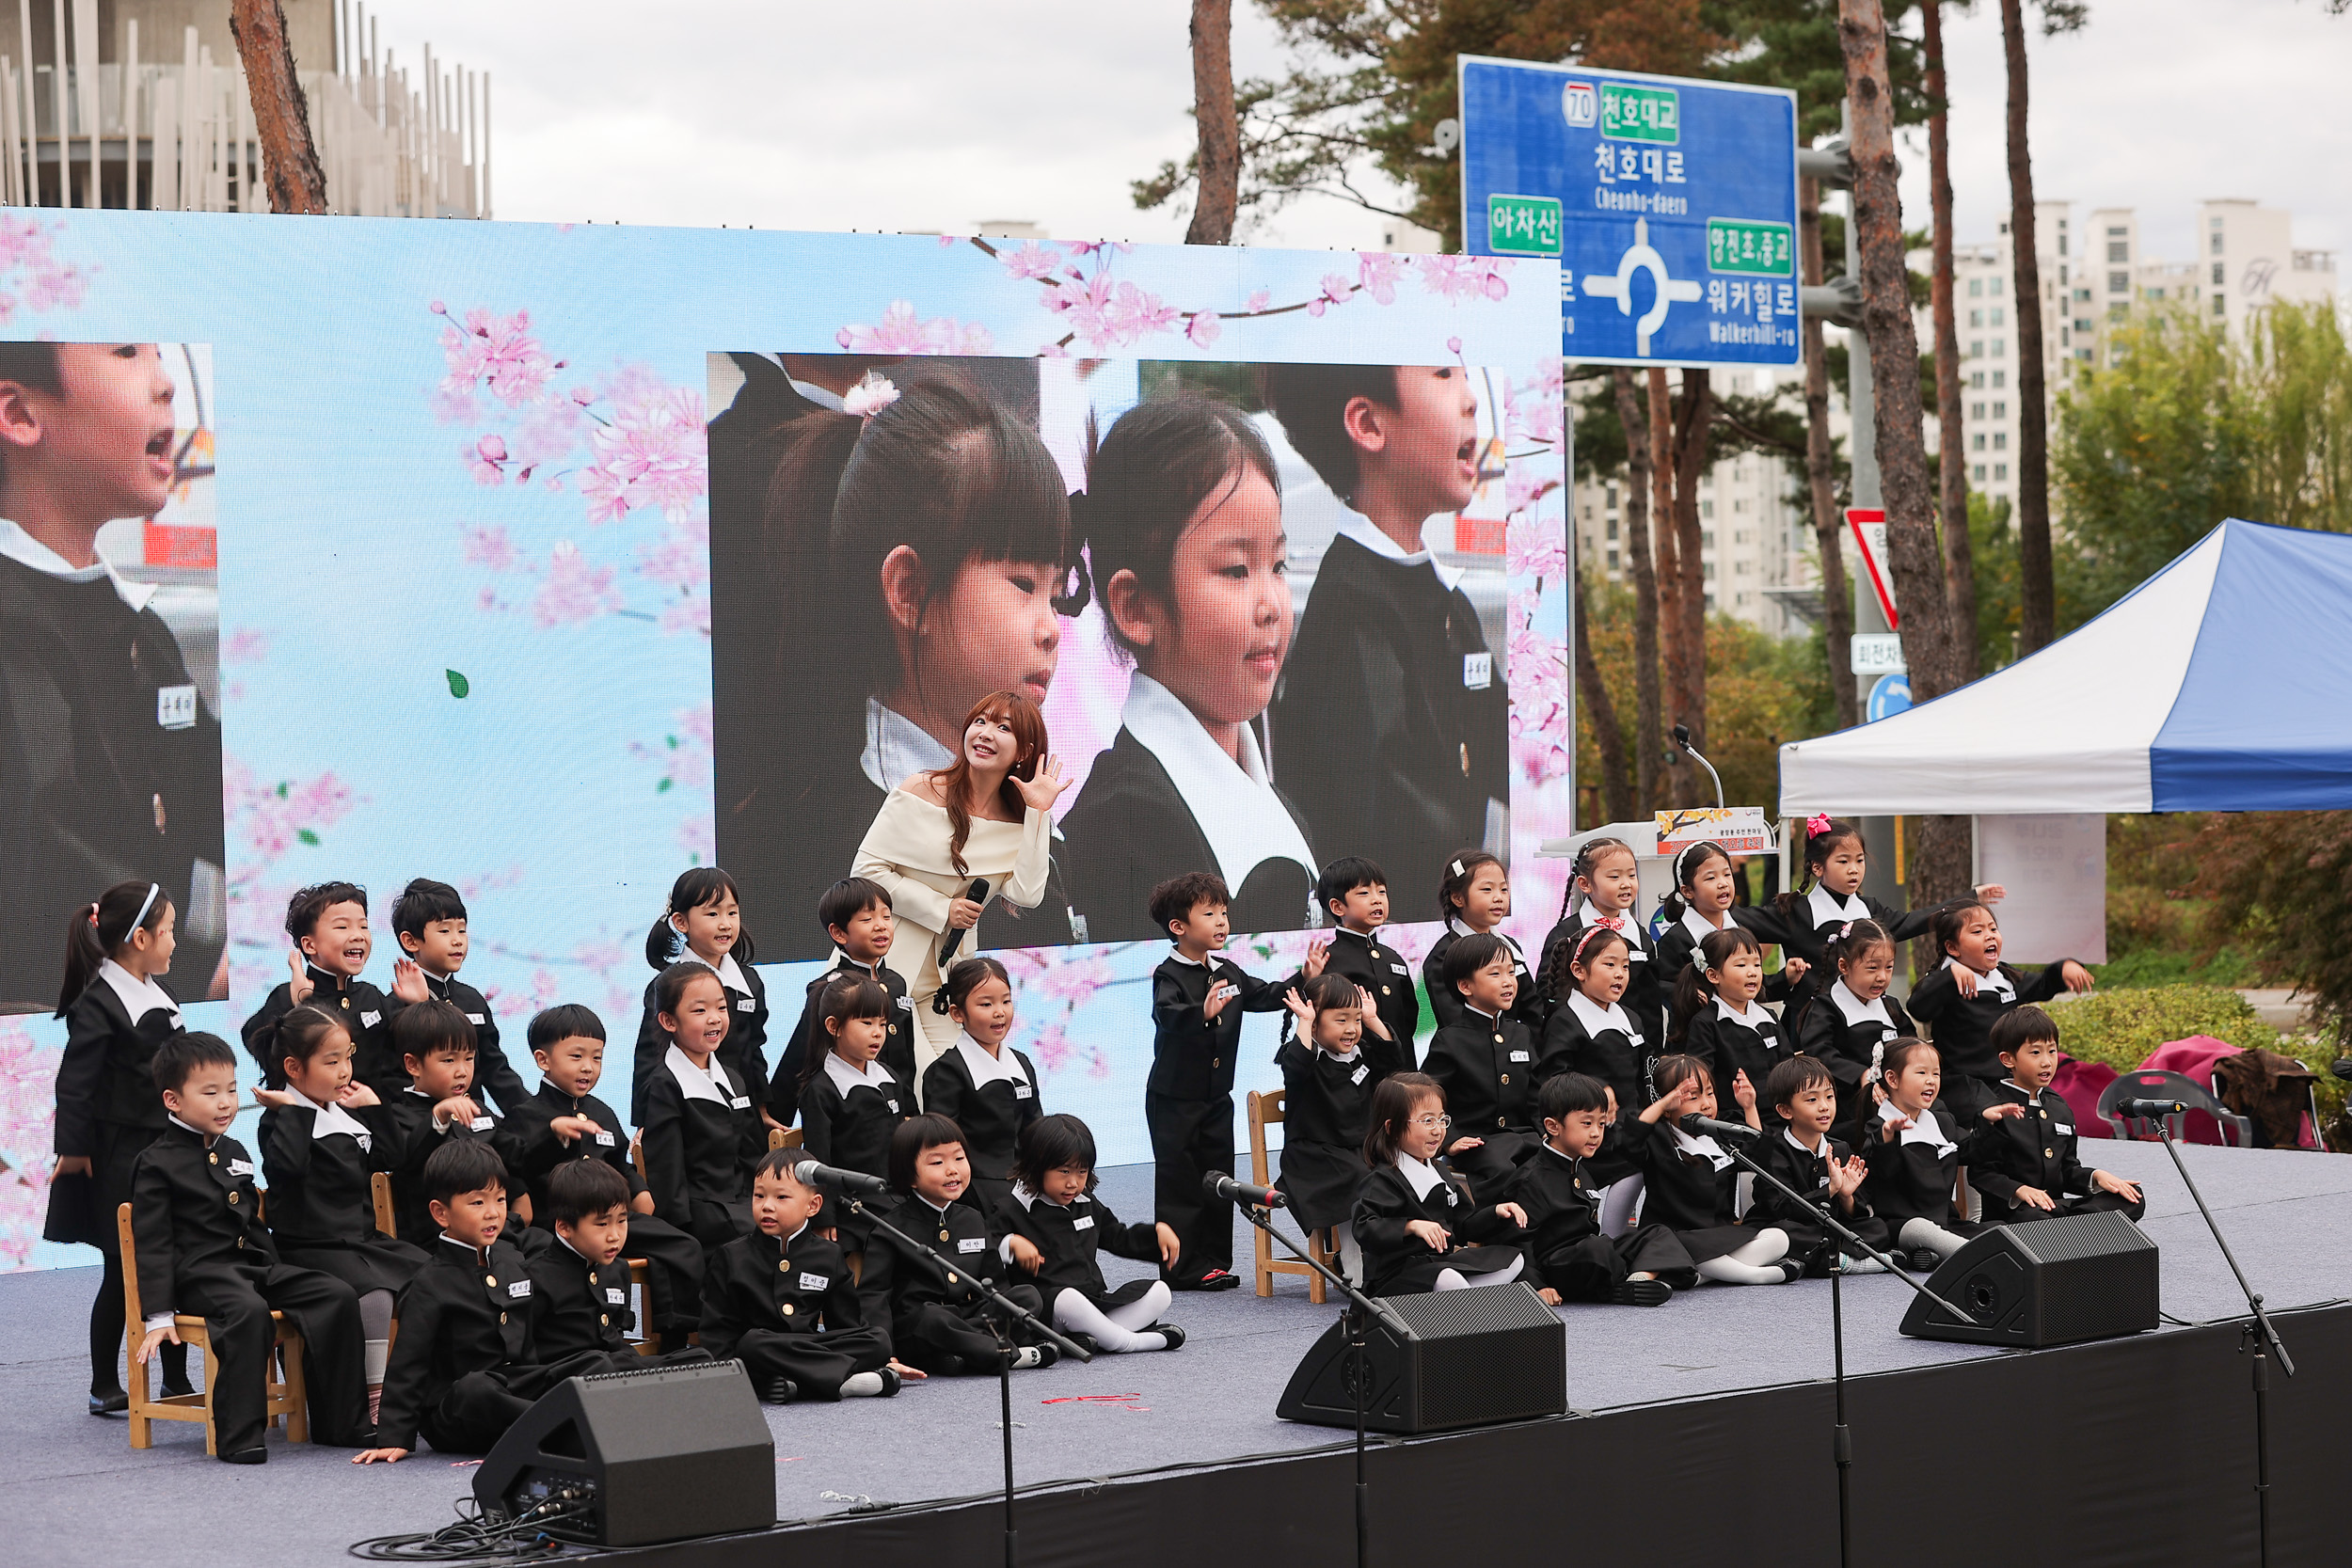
106	1074
1563	1208
1192	1055
536	1151
957	1236
1327	1111
109	769
783	1285
898	1051
321	1189
1068	1237
990	1104
1486	1066
1963	1024
1753	1045
408	1121
1807	1171
1649	984
1678	945
1394	1257
1131	831
1806	933
193	1215
582	1305
367	1015
847	1119
1382	970
1834	1027
745	1051
1678	1191
700	1140
2036	1149
1911	1177
1391	723
1445	1003
465	1311
493	1074
1608	1046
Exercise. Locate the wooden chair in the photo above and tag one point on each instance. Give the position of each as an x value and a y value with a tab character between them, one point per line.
282	1395
784	1137
380	1188
1266	1110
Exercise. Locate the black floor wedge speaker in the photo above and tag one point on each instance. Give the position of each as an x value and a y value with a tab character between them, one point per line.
1468	1359
2046	1282
664	1455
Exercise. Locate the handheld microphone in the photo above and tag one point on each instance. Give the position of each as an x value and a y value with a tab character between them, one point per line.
978	893
2149	1110
1218	1184
810	1173
1696	1126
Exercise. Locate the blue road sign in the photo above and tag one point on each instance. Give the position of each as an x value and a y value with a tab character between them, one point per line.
1889	695
1671	205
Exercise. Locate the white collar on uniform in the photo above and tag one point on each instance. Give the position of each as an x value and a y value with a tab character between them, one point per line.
1925	1129
1827	907
1696	925
1355	525
1997	983
1797	1144
1853	1009
140	994
25	550
730	972
1596	1018
1705	1147
697	1083
1355	1055
1003	1067
1755	1018
1230	800
332	1120
846	1077
1180	957
898	747
210	1138
1422	1175
1028	1200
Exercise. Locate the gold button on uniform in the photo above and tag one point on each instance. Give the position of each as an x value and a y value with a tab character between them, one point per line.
787	1308
2049	1155
603	1321
1466	759
490	1279
211	1159
502	1320
1506	1078
233	1197
784	1266
1384	990
944	1237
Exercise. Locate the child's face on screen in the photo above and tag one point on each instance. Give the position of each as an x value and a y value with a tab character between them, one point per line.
993	629
340	942
1219	639
867	937
1427	454
573	1063
105	443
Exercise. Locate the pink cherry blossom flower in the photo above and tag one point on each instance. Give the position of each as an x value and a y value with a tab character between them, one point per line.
1453	346
1534	544
497	352
1338	290
653	453
488	546
901	330
698	839
574	589
1031	262
1376	273
1204	328
1256	302
1461	278
244	646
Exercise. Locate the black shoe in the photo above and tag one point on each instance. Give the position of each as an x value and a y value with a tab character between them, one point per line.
1085	1341
1216	1279
1926	1259
892	1383
780	1390
1034	1355
254	1456
179	1390
1173	1335
1642	1292
110	1403
1791	1269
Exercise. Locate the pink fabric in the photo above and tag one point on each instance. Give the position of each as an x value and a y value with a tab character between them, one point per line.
2080	1083
2193	1059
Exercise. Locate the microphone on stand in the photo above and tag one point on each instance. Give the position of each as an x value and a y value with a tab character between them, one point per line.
2149	1110
978	893
1696	1125
1218	1184
810	1173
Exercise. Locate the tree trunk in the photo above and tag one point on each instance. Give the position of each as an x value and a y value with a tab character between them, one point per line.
1616	785
1672	656
1693	414
1649	736
1828	533
1219	191
1886	321
2037	592
281	116
1959	567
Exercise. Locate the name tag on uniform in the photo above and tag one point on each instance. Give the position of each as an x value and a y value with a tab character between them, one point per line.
517	1289
1639	1040
2063	1128
1085	1224
746	1005
815	1281
366	1142
1478	672
1448	1190
1022	1091
369	1021
739	1102
894	1106
616	1296
1633	953
476	1020
1521	1056
604	1140
1400	969
241	1167
906	1003
1228	992
482	1124
971	1243
175	707
1362	1071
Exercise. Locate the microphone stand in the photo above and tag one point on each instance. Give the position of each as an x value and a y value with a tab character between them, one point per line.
2259	1334
1002	1313
1841	1435
1354	1320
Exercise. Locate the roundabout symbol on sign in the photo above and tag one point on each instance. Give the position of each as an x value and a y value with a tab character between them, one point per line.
1619	286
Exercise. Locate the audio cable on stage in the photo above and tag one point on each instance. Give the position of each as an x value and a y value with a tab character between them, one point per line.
479	1538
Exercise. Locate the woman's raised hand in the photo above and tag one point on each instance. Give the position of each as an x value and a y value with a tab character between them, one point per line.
1040	793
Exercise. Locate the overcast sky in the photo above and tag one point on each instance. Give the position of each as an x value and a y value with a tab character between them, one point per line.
939	114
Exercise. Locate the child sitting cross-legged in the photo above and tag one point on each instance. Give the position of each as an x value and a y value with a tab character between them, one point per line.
1413	1206
1568	1258
938	1322
781	1302
1804	1096
2022	1159
581	1278
1055	1224
1691	1184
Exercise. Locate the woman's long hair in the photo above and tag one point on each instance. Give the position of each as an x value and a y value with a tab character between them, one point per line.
955	779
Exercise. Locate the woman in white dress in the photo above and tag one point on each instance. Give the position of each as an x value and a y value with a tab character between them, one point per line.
985	816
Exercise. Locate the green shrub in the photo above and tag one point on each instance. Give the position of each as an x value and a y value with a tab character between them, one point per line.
2121	1027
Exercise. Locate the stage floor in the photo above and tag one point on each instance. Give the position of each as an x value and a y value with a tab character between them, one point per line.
73	1492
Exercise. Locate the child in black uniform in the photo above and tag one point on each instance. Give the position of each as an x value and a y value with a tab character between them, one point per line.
1964	999
1198	999
1590	1031
429	919
1820	1169
437	1050
937	1320
981	1084
703	924
1718	1016
1705	900
1326	1109
1354	893
324	1137
857	916
1055	1225
202	1251
849	1103
1391	695
581	1279
468	1362
1836	861
701	1132
565	1123
1414	1205
118	1013
1486	1063
1607	885
1912	1146
328	923
2022	1159
1846	1024
1691	1184
781	1302
1474	898
1568	1258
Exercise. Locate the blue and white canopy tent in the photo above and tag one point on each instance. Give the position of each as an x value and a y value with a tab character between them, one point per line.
2219	684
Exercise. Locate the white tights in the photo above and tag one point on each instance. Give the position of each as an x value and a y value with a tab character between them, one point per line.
1455	1279
1751	1264
1120	1329
1350	1255
1918	1232
375	1328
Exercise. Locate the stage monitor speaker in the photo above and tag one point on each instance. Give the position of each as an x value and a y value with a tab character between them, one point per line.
2044	1282
663	1455
1472	1357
